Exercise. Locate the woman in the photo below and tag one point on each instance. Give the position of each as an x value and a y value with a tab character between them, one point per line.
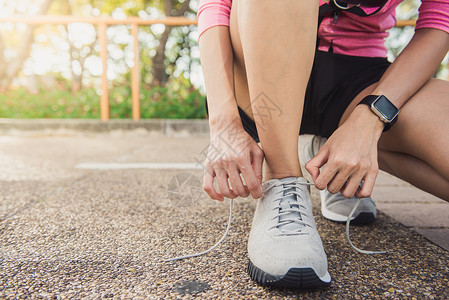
265	82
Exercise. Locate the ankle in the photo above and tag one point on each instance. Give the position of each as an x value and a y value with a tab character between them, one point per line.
279	171
279	175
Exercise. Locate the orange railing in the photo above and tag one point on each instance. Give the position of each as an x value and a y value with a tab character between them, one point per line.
103	23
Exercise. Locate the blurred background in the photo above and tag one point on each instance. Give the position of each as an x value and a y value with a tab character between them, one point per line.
50	70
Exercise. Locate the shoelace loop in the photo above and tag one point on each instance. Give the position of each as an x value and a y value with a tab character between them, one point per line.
348	222
290	188
229	226
214	246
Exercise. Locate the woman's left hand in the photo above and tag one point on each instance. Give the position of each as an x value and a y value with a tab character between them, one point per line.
349	156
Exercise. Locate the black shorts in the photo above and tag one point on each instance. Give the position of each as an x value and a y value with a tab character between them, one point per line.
335	81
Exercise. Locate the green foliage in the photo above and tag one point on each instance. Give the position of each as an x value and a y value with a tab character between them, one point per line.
131	8
156	102
49	103
177	100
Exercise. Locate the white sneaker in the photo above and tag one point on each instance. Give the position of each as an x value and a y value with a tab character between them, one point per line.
336	207
284	247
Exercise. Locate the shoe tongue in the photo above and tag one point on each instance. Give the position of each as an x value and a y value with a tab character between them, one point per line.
287	203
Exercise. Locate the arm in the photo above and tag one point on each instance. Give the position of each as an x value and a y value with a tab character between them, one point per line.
217	60
421	57
351	152
426	51
227	156
217	64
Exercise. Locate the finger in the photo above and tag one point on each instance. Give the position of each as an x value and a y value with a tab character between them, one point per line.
208	185
325	176
352	185
340	180
251	180
257	162
313	166
368	185
236	183
223	184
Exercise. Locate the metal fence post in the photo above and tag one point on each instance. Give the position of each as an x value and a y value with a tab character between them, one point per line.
135	76
104	100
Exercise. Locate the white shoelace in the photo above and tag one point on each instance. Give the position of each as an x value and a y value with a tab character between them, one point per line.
229	226
347	232
290	214
214	246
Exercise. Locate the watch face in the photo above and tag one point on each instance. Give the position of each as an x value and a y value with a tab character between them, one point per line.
385	108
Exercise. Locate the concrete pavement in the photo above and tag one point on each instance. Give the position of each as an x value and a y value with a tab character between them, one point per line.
415	209
103	232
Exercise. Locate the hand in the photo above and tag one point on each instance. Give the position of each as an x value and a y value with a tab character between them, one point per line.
233	152
349	156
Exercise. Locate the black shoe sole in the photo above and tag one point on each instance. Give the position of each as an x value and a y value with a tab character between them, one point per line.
363	218
296	278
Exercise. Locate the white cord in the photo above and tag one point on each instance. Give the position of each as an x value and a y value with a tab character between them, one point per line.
347	232
214	246
340	6
229	226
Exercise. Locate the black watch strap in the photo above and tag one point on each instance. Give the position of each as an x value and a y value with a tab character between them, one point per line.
370	99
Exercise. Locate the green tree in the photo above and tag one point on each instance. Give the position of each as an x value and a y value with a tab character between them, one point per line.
175	9
159	65
10	67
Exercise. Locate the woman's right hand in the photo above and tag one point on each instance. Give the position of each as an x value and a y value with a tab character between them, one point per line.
232	152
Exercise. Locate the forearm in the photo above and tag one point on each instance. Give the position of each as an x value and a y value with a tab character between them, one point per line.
414	66
351	154
408	73
217	63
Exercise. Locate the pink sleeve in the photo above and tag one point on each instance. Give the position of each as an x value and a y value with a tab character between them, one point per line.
434	14
213	13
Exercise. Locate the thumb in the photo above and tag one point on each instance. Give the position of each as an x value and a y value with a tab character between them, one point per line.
319	160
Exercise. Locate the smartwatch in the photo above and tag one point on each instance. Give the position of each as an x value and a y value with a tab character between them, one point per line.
383	108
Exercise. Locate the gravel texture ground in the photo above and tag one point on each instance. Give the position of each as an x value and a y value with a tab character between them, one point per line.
67	233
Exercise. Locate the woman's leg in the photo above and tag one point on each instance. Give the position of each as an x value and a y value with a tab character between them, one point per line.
274	44
240	79
416	148
405	166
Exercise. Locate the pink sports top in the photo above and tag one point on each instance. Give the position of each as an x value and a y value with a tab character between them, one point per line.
350	34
